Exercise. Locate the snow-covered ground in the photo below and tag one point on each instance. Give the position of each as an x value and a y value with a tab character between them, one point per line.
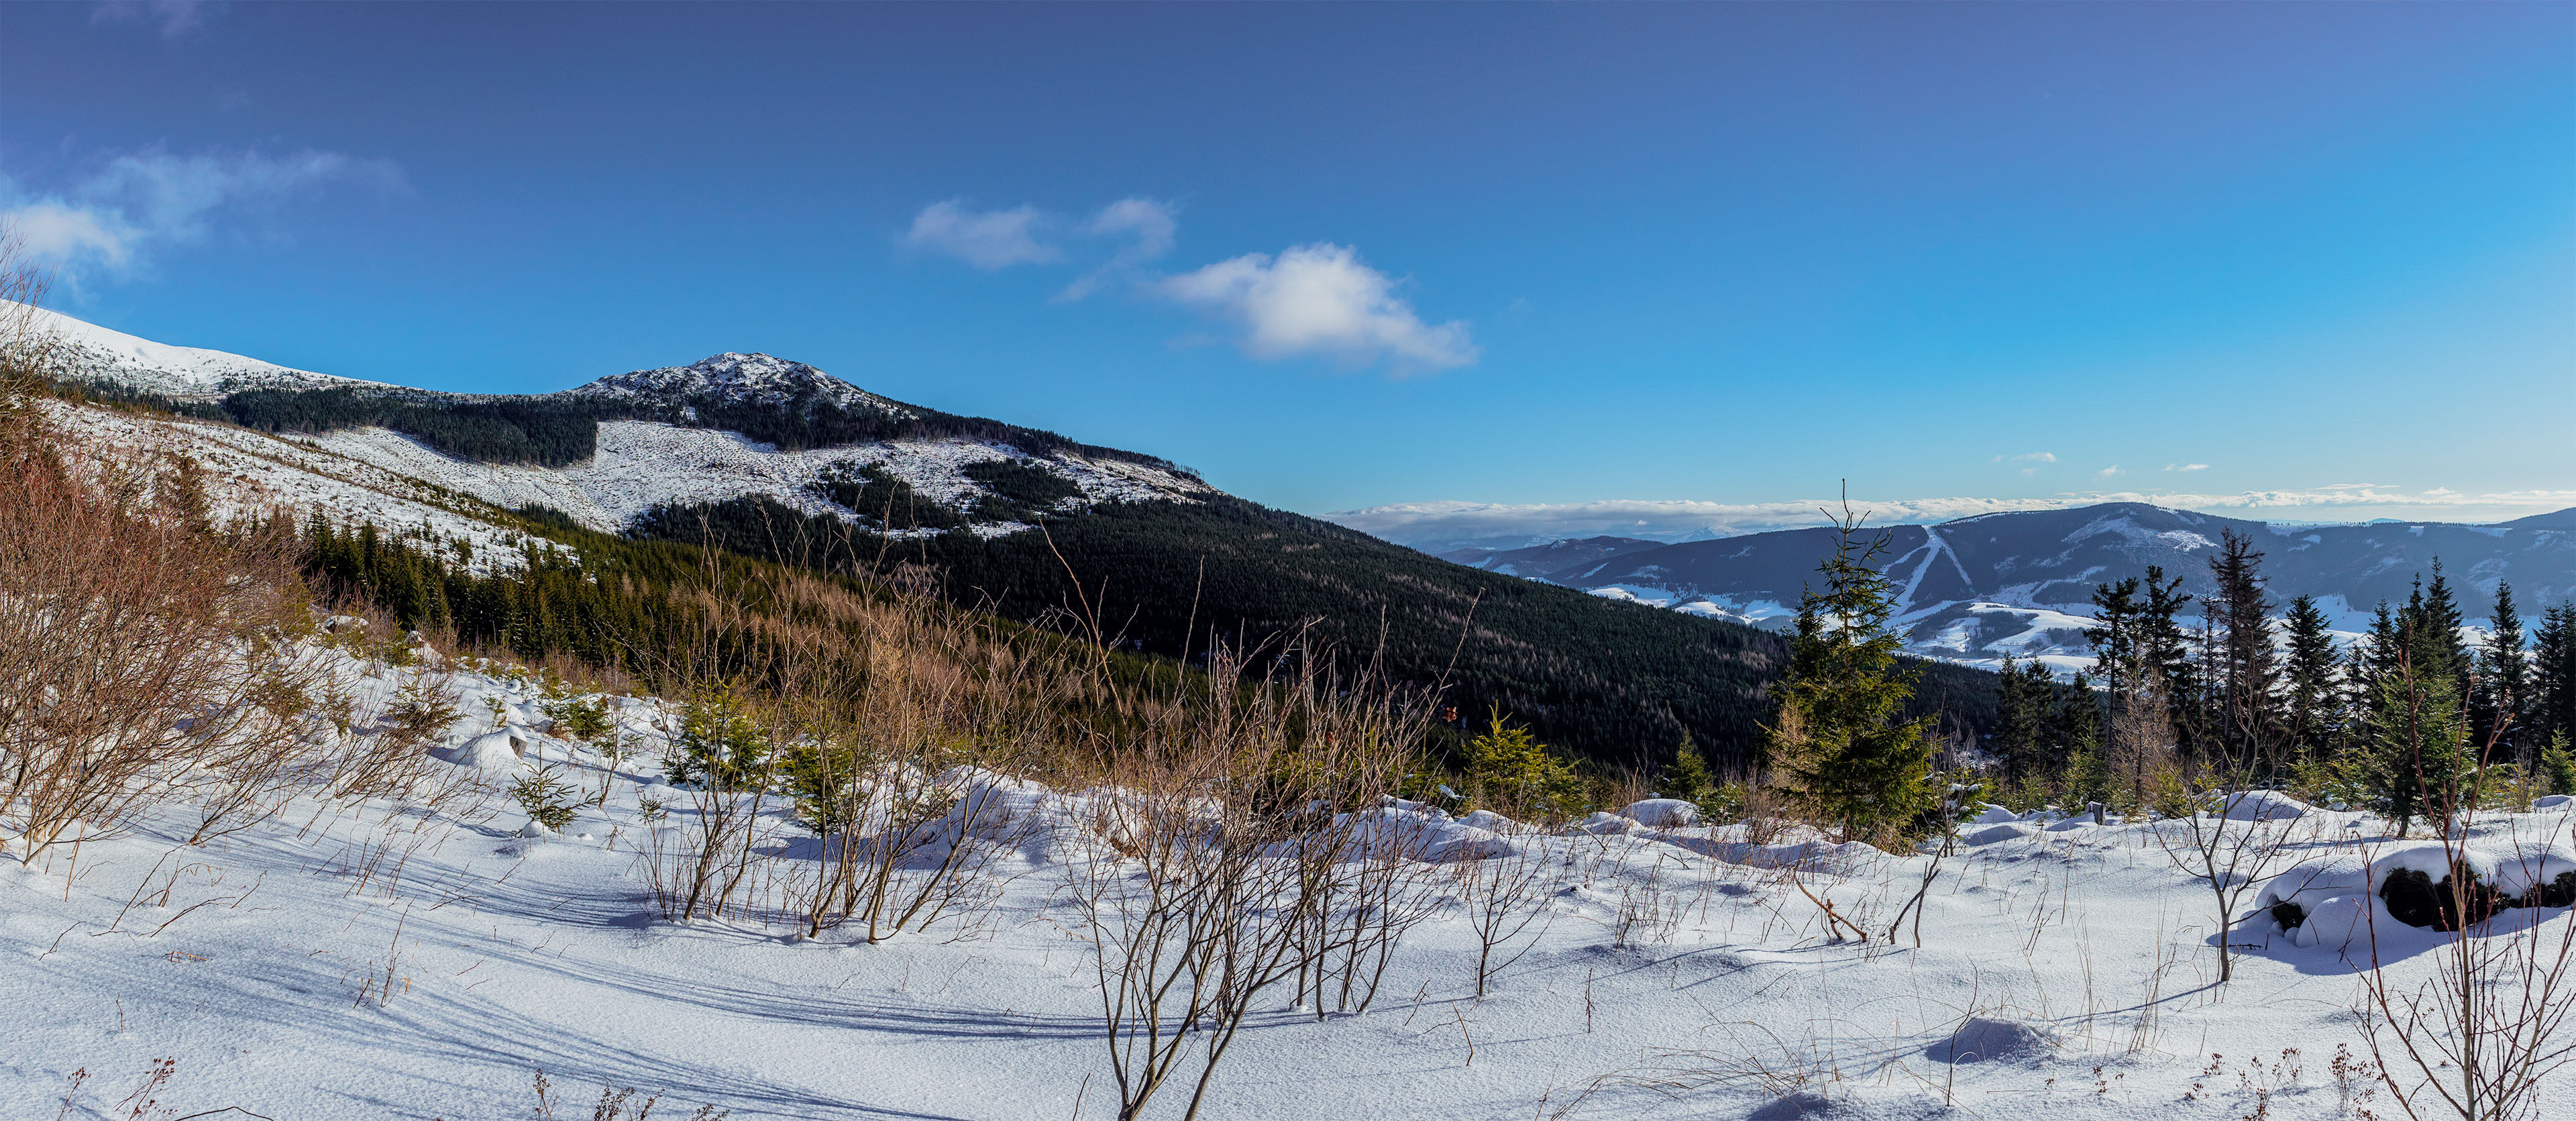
251	473
2066	969
643	464
90	351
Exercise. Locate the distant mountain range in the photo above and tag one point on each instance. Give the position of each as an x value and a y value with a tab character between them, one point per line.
775	458
1977	589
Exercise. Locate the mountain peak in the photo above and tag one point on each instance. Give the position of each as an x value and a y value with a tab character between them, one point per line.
736	377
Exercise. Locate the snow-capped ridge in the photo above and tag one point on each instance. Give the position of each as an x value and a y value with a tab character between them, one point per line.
738	378
93	353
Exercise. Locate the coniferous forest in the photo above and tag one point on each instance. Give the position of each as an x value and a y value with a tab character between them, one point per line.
1616	682
2235	685
559	428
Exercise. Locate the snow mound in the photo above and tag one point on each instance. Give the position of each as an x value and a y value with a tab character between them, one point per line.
1804	1103
1410	832
2264	805
1994	815
2310	883
1662	813
2552	801
2517	873
1997	834
490	751
1986	1039
1608	825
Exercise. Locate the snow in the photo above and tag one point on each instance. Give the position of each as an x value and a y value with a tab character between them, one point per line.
643	464
2053	958
251	473
1998	834
2262	805
1665	953
96	353
735	377
1662	812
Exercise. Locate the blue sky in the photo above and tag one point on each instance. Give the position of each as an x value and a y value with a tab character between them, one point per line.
1340	256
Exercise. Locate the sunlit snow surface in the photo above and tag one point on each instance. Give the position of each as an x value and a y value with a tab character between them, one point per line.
250	473
89	351
2066	971
643	464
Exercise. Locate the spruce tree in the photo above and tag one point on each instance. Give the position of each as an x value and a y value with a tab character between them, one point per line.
2558	764
2163	650
2553	676
2088	766
1838	746
2021	705
2435	622
2503	691
1688	778
2113	634
2243	665
2311	704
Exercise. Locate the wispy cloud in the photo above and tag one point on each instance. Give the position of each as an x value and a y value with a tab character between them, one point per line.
176	17
137	201
1320	300
1150	227
986	239
1441	525
2111	472
2186	467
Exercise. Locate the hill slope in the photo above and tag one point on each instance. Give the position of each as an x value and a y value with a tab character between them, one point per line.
2021	583
779	459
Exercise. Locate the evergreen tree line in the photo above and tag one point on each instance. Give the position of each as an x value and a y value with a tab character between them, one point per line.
549	431
119	397
558	428
2234	690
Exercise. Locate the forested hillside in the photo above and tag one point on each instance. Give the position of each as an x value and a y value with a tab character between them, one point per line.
1611	681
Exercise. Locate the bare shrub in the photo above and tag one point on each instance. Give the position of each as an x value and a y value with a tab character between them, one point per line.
127	682
2231	848
2480	1034
1219	851
1505	897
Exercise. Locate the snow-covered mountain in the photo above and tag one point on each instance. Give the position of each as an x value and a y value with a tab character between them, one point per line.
1979	588
745	379
607	453
96	354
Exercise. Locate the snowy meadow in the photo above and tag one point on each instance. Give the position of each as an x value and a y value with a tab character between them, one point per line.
424	944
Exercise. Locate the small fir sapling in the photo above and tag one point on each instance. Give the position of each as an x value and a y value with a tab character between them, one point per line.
1688	778
546	797
2558	765
718	745
1507	766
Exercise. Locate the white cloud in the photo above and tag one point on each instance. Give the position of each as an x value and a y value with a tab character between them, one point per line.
140	200
1320	300
987	239
2110	472
176	17
1442	525
2032	457
1151	227
2186	467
